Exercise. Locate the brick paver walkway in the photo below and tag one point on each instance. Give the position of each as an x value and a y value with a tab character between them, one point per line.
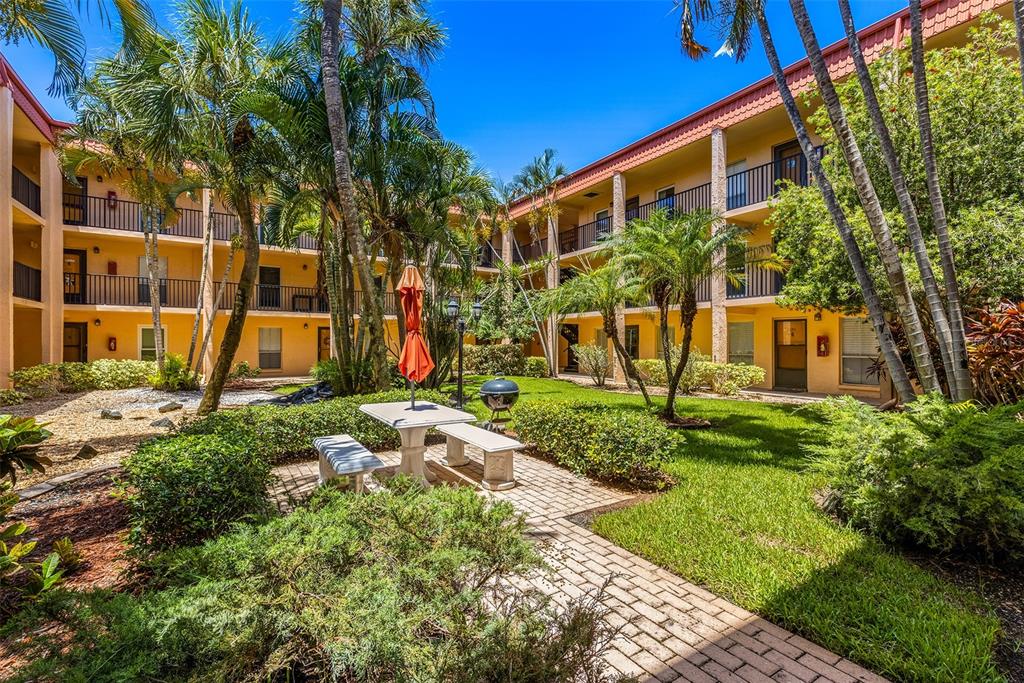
672	630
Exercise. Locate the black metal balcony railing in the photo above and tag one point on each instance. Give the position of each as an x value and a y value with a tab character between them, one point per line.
521	253
584	236
390	303
759	184
121	214
695	198
28	282
270	238
485	258
26	191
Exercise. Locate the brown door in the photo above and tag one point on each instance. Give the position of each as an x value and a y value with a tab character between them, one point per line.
790	163
74	276
791	355
323	343
76	336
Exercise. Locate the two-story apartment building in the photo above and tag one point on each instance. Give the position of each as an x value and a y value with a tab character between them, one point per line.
728	158
73	276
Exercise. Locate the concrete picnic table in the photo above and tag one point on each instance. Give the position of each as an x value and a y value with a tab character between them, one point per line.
412	425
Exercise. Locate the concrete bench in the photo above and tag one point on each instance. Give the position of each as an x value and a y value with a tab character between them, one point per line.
498	449
343	456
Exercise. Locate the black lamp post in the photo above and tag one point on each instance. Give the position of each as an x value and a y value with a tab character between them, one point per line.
460	323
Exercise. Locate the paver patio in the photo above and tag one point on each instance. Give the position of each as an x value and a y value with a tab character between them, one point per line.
672	630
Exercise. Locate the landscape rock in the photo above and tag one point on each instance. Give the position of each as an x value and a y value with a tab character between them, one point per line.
86	452
162	422
108	414
170	406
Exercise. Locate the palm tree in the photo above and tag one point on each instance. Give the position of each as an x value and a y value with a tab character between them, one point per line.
539	181
958	378
672	257
1018	20
957	372
898	283
372	318
51	24
743	17
604	289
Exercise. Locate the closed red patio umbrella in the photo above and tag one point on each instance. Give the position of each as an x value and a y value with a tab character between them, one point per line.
414	362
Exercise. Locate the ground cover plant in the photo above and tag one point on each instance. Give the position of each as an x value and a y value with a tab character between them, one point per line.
947	476
41	381
405	584
742	520
281	432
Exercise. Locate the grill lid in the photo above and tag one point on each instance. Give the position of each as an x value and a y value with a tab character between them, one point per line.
499	385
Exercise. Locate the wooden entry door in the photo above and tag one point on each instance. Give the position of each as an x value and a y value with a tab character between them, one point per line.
76	342
74	276
791	355
790	163
323	343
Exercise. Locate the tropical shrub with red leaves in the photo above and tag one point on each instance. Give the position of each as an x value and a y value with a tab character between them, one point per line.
995	339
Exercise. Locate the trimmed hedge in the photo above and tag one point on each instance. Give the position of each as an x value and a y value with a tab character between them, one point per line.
497	359
48	379
611	444
946	476
536	366
280	432
183	490
701	373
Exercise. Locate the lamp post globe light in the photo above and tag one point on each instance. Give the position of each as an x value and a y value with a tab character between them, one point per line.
460	323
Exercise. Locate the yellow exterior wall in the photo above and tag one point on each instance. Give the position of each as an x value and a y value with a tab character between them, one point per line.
27	332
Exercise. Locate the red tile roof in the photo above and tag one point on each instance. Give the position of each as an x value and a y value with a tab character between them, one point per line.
27	102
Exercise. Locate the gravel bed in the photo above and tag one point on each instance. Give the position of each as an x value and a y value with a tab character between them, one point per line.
75	421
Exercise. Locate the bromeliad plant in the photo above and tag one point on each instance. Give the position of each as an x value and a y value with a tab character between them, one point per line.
19	439
995	340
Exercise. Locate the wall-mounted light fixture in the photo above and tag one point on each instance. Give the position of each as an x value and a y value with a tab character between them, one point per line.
817	316
95	250
305	326
96	322
305	266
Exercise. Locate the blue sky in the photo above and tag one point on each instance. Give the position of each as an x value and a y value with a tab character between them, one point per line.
583	77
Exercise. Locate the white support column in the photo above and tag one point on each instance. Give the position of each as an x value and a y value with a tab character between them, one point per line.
52	253
551	277
6	237
618	225
719	321
209	287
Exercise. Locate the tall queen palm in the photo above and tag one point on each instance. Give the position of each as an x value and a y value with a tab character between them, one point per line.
742	18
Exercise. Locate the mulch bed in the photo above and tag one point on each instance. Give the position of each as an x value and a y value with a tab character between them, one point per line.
95	521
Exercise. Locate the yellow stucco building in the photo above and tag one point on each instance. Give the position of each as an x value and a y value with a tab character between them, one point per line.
72	272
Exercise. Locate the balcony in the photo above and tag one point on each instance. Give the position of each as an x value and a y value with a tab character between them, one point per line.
584	236
131	290
523	253
24	190
761	183
693	199
28	282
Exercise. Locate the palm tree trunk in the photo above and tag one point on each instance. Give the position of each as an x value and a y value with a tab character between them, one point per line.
372	318
216	307
957	373
239	309
610	330
943	334
687	312
886	343
905	306
153	272
203	274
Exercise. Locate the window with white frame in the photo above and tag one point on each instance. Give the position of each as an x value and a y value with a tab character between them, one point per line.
147	343
741	342
859	351
270	348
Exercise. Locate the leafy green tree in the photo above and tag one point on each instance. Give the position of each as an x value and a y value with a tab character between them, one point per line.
671	257
604	289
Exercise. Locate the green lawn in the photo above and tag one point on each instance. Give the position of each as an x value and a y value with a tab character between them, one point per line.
288	388
742	522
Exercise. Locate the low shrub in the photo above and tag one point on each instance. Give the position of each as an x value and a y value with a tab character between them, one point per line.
495	359
536	366
942	475
280	432
729	378
652	370
701	373
183	490
244	371
42	381
329	371
401	585
12	397
176	375
611	444
593	360
37	381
